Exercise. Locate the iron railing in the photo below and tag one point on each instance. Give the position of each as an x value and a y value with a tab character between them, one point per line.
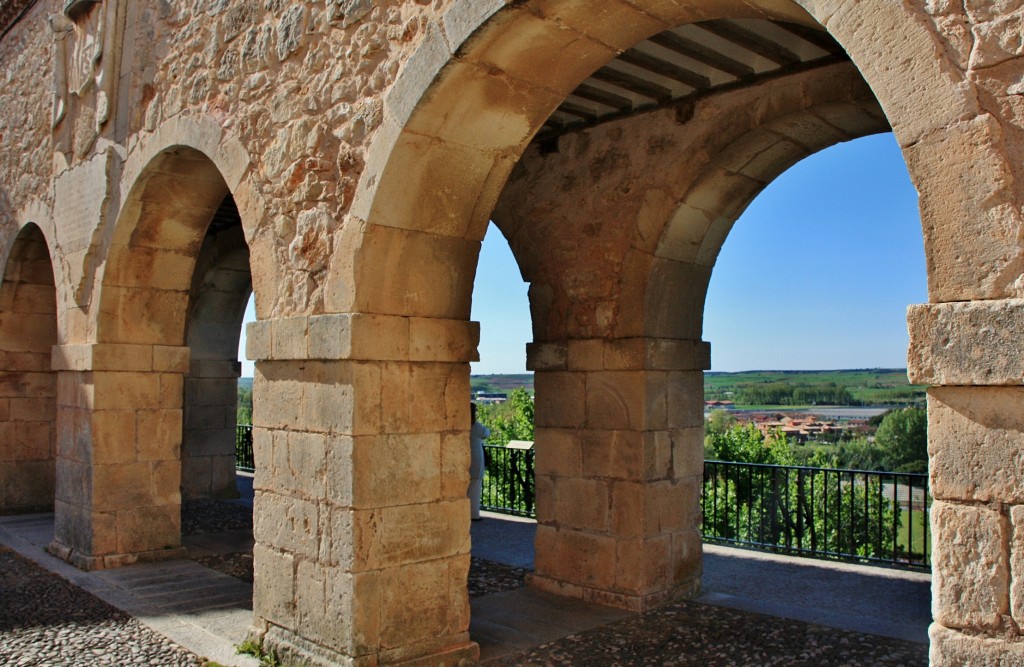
244	458
509	481
857	515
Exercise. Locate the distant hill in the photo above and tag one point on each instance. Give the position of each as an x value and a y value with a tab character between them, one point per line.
864	386
245	383
501	382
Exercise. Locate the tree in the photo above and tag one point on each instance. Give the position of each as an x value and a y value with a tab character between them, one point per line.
903	437
512	420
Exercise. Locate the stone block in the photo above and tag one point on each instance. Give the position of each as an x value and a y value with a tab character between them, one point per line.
545	498
430	276
617	24
559	452
287	523
951	648
158	435
33	441
967	213
392	536
170	359
258	340
688	452
1017	563
141	529
583	504
379	337
330	336
684	399
613	454
975	440
114	433
561	399
273	593
396	469
969	343
143	316
33	409
970	573
644	565
416	602
443	340
687	554
288	338
454	465
483	118
547	356
589	354
114	391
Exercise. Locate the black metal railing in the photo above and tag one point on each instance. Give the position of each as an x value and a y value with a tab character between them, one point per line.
864	516
855	515
509	481
244	458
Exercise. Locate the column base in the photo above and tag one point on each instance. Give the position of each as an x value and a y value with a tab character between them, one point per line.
290	648
631	601
88	563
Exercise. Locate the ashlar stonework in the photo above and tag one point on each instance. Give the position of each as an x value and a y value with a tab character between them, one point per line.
340	160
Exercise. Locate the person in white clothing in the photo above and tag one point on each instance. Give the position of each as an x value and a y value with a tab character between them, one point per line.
477	433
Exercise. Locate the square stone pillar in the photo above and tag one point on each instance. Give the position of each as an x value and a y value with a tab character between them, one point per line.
619	441
972	353
361	437
118	453
208	441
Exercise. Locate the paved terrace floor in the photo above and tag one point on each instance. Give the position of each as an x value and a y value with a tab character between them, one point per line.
756	609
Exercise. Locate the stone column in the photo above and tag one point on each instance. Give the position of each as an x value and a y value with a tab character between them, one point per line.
208	441
118	453
619	441
972	353
361	436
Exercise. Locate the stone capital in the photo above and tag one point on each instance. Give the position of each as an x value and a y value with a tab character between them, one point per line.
363	337
972	343
120	357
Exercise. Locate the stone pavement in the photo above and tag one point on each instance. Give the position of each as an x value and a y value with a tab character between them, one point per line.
208	612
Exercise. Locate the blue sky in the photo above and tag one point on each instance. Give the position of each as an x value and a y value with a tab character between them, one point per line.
816	274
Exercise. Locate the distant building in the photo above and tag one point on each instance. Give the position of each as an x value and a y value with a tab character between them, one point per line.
490	397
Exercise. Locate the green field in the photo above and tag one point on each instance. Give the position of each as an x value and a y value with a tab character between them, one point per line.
501	383
873	386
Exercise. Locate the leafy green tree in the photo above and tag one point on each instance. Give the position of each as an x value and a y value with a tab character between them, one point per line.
744	443
511	420
903	436
244	411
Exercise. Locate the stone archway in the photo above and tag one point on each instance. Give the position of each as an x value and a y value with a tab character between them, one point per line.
28	331
120	451
218	297
458	118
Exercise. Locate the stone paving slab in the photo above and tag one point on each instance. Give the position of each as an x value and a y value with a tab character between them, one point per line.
209	615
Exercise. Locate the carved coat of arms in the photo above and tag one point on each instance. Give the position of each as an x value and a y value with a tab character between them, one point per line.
87	44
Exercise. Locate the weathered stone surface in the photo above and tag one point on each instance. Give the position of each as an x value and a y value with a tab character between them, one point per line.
976	440
971	343
970	574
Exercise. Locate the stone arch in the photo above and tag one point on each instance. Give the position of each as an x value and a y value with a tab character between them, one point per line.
221	285
121	458
472	95
28	402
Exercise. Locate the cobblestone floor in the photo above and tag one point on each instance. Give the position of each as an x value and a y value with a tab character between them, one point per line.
44	620
690	633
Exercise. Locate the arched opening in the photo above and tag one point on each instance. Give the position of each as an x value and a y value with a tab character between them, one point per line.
176	276
28	406
220	293
619	517
806	315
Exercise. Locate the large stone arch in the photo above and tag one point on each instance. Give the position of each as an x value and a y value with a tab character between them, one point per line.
461	113
118	486
28	405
